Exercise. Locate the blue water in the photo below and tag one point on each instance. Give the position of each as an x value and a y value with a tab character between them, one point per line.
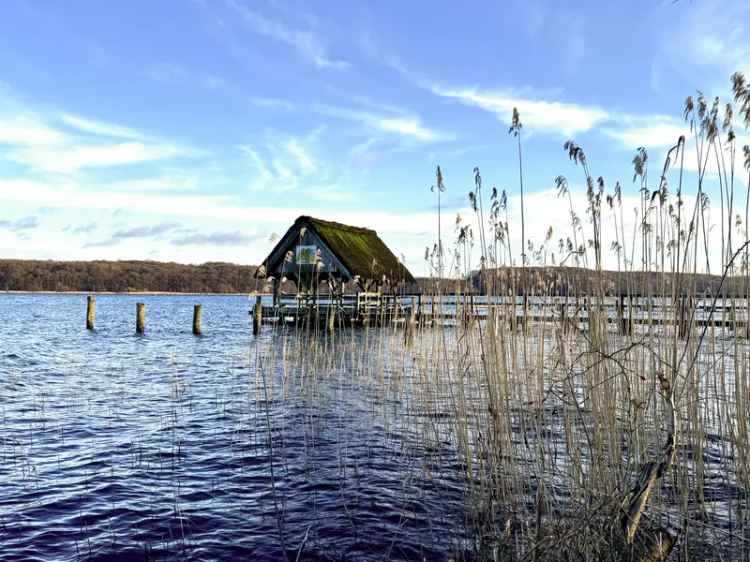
168	446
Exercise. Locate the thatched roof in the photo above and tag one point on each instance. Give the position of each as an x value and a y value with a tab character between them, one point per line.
360	250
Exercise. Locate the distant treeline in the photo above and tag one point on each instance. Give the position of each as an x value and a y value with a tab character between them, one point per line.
580	281
126	276
138	276
217	277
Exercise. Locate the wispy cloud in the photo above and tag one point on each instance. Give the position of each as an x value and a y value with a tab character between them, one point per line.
26	131
68	159
272	103
102	243
172	232
403	230
555	117
175	74
234	238
286	163
62	142
403	125
150	231
87	228
657	131
154	232
308	43
724	44
100	128
411	127
373	49
20	225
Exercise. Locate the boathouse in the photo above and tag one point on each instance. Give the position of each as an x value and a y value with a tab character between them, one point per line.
315	252
343	274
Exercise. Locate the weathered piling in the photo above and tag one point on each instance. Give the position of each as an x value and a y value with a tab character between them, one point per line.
411	321
683	322
331	317
90	312
140	318
197	317
257	315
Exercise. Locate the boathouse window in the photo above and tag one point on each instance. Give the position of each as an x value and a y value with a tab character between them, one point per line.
306	255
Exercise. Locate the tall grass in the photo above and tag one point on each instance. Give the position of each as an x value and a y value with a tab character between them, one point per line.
591	422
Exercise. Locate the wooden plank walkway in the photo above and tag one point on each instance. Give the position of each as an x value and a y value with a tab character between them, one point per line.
376	309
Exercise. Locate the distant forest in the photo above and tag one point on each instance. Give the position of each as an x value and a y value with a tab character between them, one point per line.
582	281
217	277
126	276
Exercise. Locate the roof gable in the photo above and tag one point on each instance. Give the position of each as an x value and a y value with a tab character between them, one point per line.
359	250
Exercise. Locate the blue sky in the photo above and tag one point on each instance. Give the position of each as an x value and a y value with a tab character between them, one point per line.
194	131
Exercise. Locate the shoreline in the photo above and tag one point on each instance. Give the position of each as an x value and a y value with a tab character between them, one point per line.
125	293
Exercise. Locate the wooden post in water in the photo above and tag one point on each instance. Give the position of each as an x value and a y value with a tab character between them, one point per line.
621	315
331	315
140	318
90	312
631	318
410	321
197	317
683	320
257	315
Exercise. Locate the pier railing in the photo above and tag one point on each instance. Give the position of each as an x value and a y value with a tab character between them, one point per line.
622	313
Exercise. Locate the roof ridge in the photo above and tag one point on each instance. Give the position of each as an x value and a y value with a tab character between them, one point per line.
333	224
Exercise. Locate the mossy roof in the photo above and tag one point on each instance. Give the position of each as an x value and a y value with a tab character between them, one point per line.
361	250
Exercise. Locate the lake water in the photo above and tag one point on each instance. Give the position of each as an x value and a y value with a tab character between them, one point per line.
168	446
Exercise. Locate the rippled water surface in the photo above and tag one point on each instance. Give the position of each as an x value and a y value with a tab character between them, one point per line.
168	446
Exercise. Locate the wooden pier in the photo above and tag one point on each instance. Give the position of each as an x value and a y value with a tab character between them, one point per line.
376	309
360	309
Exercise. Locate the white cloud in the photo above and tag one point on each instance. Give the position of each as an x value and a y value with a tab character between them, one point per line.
100	128
290	163
711	37
69	159
66	143
658	131
306	42
406	233
539	115
301	154
67	194
28	131
403	125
